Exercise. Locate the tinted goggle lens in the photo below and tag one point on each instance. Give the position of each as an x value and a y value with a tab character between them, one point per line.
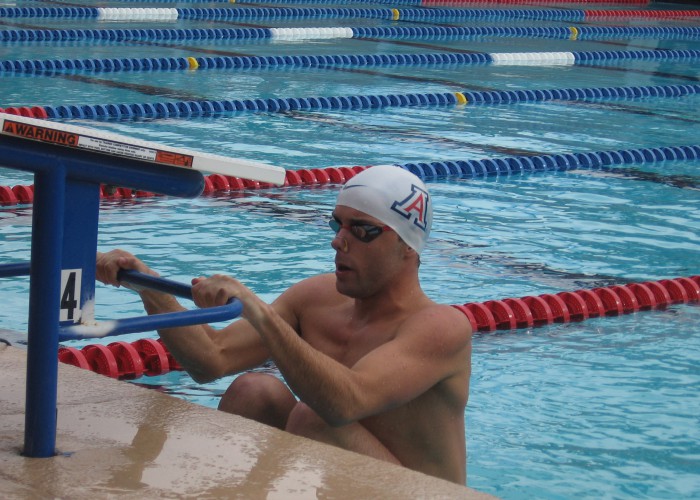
363	232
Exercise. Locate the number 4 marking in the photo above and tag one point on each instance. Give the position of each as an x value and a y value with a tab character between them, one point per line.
71	283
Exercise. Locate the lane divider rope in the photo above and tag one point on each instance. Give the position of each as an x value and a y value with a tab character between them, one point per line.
405	14
150	357
430	3
190	109
217	184
415	3
378	32
358	60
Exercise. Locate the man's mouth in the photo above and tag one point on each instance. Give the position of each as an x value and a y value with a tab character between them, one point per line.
339	267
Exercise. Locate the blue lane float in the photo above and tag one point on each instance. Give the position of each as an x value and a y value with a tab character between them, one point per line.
379	32
329	61
300	12
599	160
258	13
465	169
50	12
578	32
227	13
403	14
357	102
411	3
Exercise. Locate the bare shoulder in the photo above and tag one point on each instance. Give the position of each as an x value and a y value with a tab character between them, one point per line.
315	286
294	302
317	290
441	326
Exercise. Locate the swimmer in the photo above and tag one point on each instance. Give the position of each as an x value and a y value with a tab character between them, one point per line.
371	364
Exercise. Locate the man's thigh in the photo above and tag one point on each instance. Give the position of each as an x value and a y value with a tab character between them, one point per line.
260	397
304	421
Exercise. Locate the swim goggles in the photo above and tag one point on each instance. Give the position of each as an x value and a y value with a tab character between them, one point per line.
363	232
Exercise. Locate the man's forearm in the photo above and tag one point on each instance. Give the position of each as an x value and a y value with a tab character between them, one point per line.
190	345
321	382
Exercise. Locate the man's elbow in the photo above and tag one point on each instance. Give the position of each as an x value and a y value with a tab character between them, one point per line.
202	377
342	415
205	374
305	421
338	420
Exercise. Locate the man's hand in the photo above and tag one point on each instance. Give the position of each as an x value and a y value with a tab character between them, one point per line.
218	289
109	264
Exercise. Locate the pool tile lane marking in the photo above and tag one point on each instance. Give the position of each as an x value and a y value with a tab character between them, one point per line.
141	88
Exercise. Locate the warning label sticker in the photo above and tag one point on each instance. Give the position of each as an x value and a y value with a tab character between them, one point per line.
98	144
174	159
116	148
42	134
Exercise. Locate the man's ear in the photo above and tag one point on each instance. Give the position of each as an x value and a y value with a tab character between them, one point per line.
410	253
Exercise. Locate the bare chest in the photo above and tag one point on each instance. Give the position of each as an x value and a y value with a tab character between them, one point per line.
335	333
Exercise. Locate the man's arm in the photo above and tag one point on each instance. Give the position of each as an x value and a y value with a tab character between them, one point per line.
434	345
205	353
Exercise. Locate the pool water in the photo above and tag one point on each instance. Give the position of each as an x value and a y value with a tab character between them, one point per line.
604	408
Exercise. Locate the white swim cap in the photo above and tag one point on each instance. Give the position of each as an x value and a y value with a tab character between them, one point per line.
394	196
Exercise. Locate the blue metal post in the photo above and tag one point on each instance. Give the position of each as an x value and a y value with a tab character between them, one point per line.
64	241
44	288
80	225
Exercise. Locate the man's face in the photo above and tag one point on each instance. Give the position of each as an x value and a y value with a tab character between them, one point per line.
364	267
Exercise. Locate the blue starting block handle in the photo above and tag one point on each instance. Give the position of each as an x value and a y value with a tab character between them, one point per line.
100	329
155	283
17	269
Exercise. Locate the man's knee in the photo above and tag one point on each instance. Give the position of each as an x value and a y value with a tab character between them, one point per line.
303	421
260	397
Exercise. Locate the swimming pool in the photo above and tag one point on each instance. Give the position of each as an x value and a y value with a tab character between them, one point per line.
604	407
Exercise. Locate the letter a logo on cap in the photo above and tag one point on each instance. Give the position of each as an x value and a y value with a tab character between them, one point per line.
414	207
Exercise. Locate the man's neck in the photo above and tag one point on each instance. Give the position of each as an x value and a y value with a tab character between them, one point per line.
390	302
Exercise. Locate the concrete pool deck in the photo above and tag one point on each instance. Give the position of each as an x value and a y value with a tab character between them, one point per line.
115	439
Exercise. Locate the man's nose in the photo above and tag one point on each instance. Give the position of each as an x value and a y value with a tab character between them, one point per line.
339	243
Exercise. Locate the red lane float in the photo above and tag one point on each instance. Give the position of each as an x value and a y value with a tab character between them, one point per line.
565	307
235	183
523	314
150	357
503	314
578	310
214	185
640	14
594	305
154	355
122	360
24	194
101	360
7	196
541	312
432	3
